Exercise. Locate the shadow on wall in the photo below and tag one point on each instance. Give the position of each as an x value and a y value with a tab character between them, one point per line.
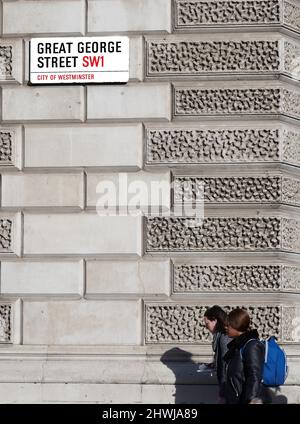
191	387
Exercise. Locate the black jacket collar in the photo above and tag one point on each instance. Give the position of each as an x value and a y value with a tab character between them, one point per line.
238	342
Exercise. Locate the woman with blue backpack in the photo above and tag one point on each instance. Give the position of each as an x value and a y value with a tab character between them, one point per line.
244	361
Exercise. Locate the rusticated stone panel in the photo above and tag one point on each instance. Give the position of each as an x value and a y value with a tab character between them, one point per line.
215	234
291	191
194	278
6	62
291	147
255	189
228	189
5	235
292	59
225	101
6	147
291	15
290	104
198	278
291	234
291	278
192	146
169	323
289	325
216	13
5	323
217	145
201	57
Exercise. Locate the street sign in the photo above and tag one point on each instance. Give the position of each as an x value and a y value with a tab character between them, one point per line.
80	60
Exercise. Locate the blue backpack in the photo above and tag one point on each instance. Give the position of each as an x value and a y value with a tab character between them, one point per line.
275	366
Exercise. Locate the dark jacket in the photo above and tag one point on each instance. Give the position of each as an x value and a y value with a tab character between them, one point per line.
244	369
219	345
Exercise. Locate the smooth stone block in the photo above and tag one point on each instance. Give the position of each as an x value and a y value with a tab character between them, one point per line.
41	277
82	234
82	322
129	15
84	146
25	104
43	17
133	101
144	277
42	190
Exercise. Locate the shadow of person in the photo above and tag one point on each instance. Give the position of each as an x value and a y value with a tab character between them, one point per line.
270	395
191	387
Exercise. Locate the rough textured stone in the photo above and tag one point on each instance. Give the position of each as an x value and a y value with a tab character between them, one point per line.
223	234
5	235
11	147
242	101
203	13
169	323
190	278
254	189
228	145
201	57
10	61
5	323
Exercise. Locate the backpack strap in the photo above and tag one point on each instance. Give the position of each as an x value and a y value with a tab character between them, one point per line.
244	347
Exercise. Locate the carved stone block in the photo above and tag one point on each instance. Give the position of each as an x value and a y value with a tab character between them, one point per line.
178	323
254	189
7	137
230	145
236	101
5	323
5	235
219	13
10	61
201	57
181	234
195	278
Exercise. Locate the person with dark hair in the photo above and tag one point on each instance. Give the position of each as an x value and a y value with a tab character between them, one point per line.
244	360
215	320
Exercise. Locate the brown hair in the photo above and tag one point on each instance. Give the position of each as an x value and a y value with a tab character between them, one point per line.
239	319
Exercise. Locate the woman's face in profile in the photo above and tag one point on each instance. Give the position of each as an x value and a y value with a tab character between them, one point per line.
210	325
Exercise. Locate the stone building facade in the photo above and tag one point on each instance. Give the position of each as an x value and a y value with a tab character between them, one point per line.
109	308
